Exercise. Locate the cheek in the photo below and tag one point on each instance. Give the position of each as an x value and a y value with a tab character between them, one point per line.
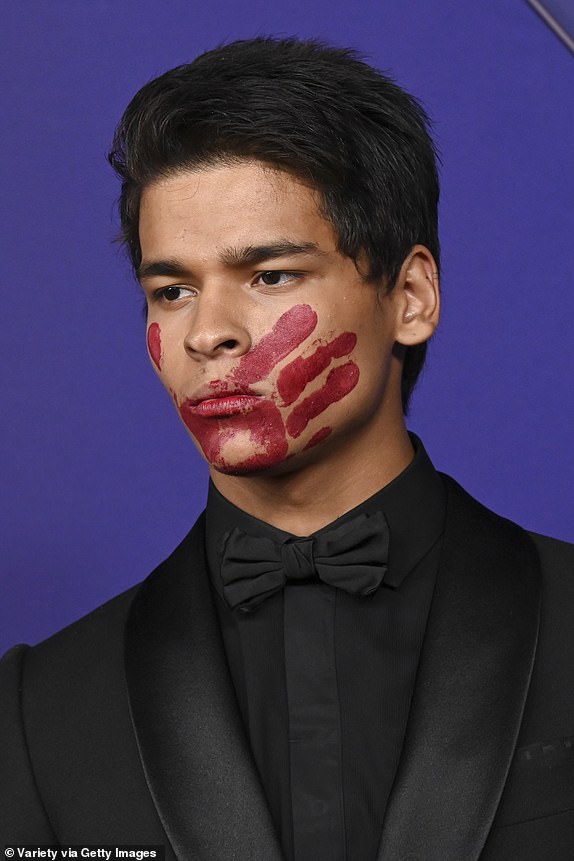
340	382
319	437
288	333
154	344
301	371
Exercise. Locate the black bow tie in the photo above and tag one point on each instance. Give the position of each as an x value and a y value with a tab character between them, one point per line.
352	557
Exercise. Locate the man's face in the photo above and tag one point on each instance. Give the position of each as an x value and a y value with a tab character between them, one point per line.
274	349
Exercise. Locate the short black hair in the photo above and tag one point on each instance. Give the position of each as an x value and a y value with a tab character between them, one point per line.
318	112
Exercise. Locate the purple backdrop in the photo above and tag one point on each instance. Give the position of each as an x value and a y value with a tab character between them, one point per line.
100	479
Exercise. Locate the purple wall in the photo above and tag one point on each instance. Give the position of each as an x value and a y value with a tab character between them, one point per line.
100	479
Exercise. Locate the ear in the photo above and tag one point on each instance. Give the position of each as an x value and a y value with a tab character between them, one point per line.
416	297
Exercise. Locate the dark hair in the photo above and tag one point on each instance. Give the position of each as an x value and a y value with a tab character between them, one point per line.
316	111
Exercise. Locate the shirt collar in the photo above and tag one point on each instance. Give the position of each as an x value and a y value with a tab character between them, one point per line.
413	503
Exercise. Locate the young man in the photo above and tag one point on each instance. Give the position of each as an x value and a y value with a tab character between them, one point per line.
346	658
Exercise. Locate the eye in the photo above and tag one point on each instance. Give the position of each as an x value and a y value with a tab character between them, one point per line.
173	292
276	278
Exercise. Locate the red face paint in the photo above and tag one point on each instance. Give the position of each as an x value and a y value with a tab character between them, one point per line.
154	344
318	437
263	424
339	383
289	332
301	371
233	409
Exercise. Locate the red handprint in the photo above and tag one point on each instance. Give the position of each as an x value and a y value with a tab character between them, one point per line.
154	344
262	420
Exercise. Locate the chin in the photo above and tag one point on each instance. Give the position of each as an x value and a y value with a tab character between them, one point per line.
254	465
257	464
239	457
249	462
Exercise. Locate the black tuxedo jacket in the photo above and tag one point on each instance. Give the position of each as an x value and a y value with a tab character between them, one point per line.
123	728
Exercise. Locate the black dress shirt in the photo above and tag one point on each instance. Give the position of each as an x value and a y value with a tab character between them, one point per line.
324	679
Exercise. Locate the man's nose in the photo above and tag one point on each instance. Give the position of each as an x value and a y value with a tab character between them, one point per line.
215	329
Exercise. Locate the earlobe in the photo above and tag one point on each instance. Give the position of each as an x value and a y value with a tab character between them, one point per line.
418	297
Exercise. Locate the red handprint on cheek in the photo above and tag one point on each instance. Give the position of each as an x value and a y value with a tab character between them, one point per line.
258	421
319	437
154	344
261	423
290	330
340	382
295	377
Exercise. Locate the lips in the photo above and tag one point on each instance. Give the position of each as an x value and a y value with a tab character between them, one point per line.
219	399
228	405
220	389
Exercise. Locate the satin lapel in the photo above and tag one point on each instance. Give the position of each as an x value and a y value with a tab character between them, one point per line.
471	688
194	752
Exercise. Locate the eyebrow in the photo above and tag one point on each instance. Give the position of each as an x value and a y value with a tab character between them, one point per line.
249	255
253	254
168	267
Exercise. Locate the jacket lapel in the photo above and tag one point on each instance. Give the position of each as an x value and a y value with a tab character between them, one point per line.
471	688
194	752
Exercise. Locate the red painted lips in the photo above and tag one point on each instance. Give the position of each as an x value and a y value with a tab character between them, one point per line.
229	405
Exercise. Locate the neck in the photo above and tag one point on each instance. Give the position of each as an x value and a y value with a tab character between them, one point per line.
313	494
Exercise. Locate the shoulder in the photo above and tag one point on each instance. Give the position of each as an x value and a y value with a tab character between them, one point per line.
61	700
69	693
95	638
53	686
508	546
556	644
92	646
98	631
556	557
557	611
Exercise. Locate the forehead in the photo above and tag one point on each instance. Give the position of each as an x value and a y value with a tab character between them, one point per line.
230	204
